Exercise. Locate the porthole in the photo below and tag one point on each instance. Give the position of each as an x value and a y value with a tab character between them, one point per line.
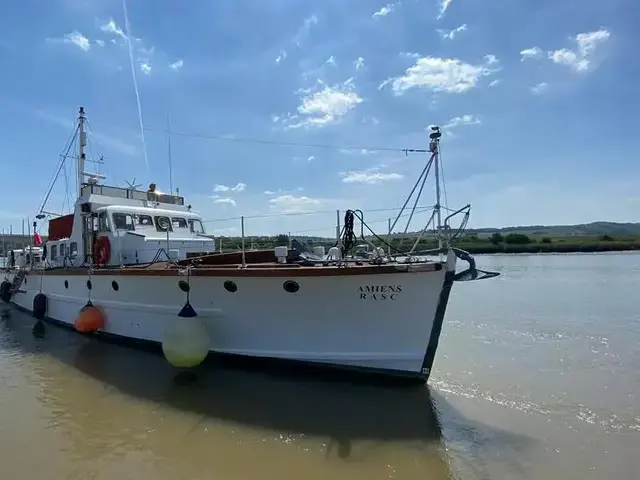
66	284
184	286
89	284
290	286
115	286
230	286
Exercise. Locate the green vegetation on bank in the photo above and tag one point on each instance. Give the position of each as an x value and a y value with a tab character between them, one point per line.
473	243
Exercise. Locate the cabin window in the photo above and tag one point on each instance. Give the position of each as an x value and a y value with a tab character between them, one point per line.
54	252
73	250
123	221
179	222
63	250
163	224
144	220
196	225
103	222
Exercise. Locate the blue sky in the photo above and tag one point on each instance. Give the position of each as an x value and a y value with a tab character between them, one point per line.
538	100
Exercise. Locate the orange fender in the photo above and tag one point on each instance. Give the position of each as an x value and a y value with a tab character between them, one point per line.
90	319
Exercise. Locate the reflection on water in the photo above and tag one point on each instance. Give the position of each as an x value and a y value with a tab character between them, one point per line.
536	378
110	403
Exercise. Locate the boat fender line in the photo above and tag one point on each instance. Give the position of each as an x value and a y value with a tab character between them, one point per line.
102	250
5	291
40	306
90	319
187	310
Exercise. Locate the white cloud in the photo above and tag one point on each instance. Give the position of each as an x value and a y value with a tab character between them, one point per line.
530	53
359	151
225	201
77	39
494	83
100	43
294	204
111	27
145	68
540	88
331	60
303	31
240	187
443	7
176	65
579	60
281	56
384	11
358	63
370	176
326	106
447	75
311	158
451	34
463	120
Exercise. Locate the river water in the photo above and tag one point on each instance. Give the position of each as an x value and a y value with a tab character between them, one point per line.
537	377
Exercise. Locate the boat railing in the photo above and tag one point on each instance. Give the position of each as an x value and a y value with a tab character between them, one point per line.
371	228
118	192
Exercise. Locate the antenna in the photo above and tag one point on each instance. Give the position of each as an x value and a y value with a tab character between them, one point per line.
169	153
133	185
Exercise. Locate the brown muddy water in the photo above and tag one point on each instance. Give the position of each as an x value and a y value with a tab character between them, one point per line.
537	377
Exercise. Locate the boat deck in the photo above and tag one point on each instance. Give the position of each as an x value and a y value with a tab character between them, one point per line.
261	263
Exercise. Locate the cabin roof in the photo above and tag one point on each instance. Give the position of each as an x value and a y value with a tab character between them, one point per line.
149	211
130	193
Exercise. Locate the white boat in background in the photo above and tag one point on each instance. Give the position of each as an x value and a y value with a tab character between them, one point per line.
141	262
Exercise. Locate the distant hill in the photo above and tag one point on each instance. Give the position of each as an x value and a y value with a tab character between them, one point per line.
583	229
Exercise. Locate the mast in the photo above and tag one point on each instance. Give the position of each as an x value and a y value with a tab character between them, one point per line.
434	148
169	152
81	154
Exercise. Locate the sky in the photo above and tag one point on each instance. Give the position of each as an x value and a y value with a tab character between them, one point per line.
537	100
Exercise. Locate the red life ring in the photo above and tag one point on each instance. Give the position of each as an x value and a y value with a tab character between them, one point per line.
102	251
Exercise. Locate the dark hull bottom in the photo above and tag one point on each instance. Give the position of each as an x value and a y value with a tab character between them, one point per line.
325	371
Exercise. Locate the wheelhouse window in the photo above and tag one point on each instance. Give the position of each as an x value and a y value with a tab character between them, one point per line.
63	250
196	226
73	250
178	222
123	221
103	222
144	220
163	224
54	252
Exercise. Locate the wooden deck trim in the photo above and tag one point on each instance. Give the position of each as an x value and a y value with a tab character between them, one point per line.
232	271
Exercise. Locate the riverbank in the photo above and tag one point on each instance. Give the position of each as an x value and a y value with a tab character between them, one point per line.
512	243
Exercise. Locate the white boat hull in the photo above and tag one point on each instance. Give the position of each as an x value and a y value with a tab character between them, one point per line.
373	321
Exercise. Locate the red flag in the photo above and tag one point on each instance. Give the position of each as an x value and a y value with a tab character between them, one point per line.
37	239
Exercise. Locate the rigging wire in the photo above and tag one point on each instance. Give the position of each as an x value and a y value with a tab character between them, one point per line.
63	158
287	144
315	212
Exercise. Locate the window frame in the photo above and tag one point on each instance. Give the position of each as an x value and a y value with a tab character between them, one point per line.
125	215
158	218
